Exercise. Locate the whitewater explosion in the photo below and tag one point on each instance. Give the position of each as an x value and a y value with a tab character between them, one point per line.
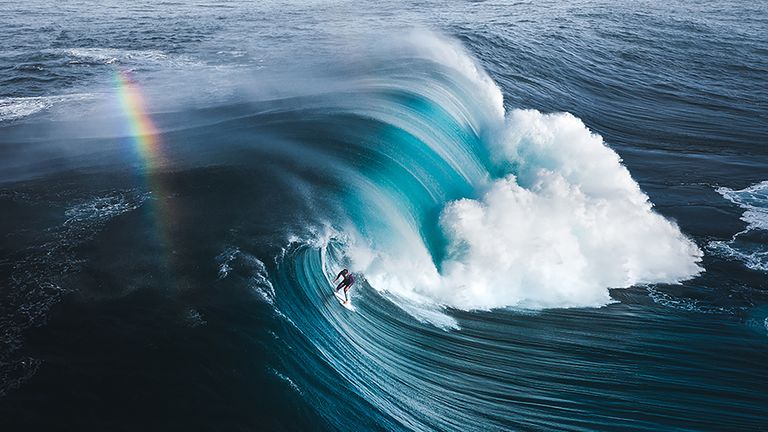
554	218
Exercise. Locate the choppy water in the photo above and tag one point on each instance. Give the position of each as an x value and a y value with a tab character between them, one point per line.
557	213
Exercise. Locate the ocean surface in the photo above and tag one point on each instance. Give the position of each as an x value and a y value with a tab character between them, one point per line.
557	213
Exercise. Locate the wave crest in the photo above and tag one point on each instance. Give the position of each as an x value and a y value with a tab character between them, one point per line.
561	223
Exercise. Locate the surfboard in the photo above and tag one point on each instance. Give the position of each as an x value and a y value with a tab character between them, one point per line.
347	304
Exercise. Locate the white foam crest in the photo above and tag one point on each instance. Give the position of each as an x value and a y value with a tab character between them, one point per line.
571	224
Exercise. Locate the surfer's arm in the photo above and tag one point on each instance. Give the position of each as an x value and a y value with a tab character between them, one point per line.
338	276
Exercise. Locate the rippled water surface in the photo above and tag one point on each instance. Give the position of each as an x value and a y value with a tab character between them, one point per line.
557	214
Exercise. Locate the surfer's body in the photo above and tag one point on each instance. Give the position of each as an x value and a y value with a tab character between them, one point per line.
346	282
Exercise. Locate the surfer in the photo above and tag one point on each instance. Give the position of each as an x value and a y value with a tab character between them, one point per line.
345	283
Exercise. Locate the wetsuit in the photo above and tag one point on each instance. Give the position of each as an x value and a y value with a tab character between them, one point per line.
346	282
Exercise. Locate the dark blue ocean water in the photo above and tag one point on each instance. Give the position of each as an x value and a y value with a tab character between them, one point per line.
557	214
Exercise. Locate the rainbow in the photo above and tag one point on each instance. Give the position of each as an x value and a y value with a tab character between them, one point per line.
141	127
144	138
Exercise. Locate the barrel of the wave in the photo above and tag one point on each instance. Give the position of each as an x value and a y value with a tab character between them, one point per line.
143	137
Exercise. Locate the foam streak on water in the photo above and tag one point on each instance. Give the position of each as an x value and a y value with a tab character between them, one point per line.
748	246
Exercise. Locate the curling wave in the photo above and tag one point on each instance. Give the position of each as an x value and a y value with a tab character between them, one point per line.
469	207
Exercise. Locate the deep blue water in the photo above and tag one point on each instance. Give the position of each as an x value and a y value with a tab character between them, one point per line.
557	213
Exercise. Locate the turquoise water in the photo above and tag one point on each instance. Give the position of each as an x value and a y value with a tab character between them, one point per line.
556	214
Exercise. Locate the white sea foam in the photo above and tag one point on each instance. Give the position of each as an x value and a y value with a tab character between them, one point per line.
101	209
571	224
286	379
686	304
752	256
567	222
247	265
108	56
15	108
225	260
194	318
261	284
754	201
92	55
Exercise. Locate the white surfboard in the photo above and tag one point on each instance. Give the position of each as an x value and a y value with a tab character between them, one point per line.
346	303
